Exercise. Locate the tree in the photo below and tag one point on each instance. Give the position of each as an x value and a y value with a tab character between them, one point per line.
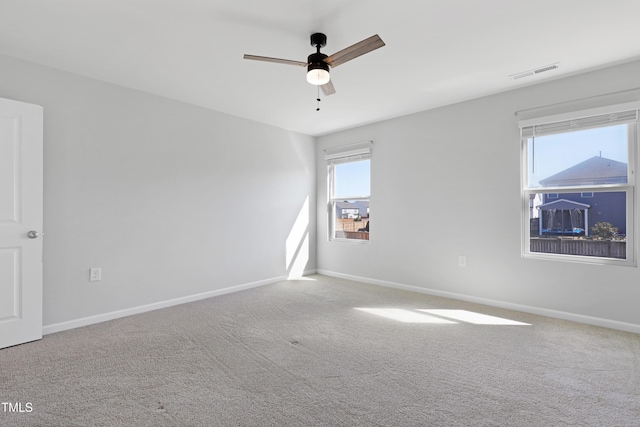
604	231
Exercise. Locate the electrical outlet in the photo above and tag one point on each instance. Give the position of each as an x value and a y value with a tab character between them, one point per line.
95	274
462	261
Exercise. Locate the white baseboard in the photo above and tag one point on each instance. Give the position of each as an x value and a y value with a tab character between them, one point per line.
596	321
85	321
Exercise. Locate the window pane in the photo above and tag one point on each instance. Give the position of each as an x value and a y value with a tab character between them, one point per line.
586	157
352	219
573	224
352	179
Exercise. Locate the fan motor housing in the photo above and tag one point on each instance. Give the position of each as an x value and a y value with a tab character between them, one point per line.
316	60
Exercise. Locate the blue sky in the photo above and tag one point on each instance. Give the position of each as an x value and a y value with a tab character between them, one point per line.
353	179
555	153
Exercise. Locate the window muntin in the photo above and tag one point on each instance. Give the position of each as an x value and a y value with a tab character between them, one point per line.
588	164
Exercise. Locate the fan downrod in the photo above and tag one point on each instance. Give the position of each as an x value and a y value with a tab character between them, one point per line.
316	60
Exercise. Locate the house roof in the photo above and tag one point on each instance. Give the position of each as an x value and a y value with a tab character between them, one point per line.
564	205
596	170
346	205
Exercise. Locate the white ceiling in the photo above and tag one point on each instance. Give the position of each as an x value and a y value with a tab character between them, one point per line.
437	52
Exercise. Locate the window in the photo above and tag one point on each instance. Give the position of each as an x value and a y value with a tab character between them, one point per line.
579	186
349	177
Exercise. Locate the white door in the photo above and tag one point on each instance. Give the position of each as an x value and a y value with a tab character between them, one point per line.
20	222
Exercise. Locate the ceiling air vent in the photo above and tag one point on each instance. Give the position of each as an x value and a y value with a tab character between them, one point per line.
535	71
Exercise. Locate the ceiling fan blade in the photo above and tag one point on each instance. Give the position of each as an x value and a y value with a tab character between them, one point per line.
276	60
353	51
328	88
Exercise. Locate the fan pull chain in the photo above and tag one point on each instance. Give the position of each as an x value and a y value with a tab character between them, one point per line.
318	100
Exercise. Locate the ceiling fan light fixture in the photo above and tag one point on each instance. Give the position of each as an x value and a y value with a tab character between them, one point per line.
317	70
318	76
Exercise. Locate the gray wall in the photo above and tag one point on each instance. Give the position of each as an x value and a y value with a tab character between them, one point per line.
458	167
170	200
173	200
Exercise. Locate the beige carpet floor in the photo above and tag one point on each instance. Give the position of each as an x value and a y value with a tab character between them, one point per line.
326	352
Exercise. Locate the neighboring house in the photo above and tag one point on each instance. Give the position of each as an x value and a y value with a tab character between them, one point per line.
576	213
352	209
363	207
596	170
347	210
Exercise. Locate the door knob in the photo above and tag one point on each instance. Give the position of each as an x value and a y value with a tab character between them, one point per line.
33	234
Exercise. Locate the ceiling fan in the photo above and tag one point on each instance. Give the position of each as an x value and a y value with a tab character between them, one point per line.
318	64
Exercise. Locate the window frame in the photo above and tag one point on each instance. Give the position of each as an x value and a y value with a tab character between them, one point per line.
341	155
629	188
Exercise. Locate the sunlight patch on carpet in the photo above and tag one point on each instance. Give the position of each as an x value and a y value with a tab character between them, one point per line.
405	316
440	316
475	318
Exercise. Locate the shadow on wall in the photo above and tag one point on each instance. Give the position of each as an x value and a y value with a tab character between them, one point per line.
297	244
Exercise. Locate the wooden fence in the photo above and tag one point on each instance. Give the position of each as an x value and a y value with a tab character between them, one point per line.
597	248
347	228
359	235
348	224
